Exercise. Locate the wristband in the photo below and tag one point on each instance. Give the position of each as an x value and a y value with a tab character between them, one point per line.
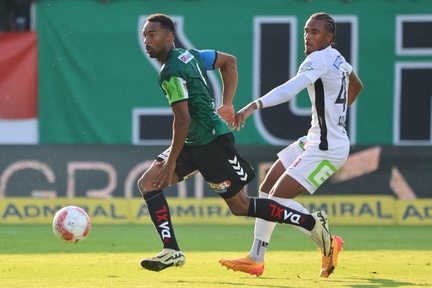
258	103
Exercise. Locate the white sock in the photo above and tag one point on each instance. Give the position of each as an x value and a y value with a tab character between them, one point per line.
263	231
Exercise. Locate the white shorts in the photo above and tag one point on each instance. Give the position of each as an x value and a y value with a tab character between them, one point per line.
309	165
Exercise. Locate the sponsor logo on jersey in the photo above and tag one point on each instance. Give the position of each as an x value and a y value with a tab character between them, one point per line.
186	57
307	66
220	187
338	62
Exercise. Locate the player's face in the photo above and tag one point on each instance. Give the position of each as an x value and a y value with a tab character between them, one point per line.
316	36
157	40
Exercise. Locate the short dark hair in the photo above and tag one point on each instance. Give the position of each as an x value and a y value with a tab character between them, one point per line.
329	23
165	21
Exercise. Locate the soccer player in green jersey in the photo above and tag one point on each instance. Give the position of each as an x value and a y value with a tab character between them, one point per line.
202	141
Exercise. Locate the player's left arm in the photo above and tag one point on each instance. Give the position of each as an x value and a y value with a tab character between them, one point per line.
227	65
354	87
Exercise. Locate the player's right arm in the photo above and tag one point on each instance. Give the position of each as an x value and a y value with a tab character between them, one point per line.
278	95
312	68
354	87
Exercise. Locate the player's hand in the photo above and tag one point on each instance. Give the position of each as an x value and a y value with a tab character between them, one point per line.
164	177
226	112
243	114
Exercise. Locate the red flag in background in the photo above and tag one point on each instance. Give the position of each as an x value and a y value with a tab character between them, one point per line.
18	75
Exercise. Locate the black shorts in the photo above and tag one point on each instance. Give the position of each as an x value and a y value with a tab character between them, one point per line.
219	163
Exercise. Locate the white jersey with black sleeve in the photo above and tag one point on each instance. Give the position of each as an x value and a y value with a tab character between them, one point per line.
329	75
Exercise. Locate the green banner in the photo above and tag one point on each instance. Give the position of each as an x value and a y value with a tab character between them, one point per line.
96	85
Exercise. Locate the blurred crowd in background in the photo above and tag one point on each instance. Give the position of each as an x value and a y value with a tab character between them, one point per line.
15	15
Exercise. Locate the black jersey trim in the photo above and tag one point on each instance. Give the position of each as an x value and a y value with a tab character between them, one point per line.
181	100
320	107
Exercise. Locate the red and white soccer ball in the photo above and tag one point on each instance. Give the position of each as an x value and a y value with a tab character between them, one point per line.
71	224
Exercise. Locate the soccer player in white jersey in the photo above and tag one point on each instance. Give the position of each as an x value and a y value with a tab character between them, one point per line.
304	165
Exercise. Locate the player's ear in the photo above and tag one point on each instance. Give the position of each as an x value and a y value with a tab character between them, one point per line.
170	37
330	37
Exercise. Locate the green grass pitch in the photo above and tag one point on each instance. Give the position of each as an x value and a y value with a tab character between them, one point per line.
373	256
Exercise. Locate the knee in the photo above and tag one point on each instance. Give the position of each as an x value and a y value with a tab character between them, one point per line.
142	185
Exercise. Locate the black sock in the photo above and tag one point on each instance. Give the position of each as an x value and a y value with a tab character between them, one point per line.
161	217
271	210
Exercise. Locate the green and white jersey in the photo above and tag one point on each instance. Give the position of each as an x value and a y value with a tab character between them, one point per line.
183	77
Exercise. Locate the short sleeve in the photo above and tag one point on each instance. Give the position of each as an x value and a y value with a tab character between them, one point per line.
208	57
